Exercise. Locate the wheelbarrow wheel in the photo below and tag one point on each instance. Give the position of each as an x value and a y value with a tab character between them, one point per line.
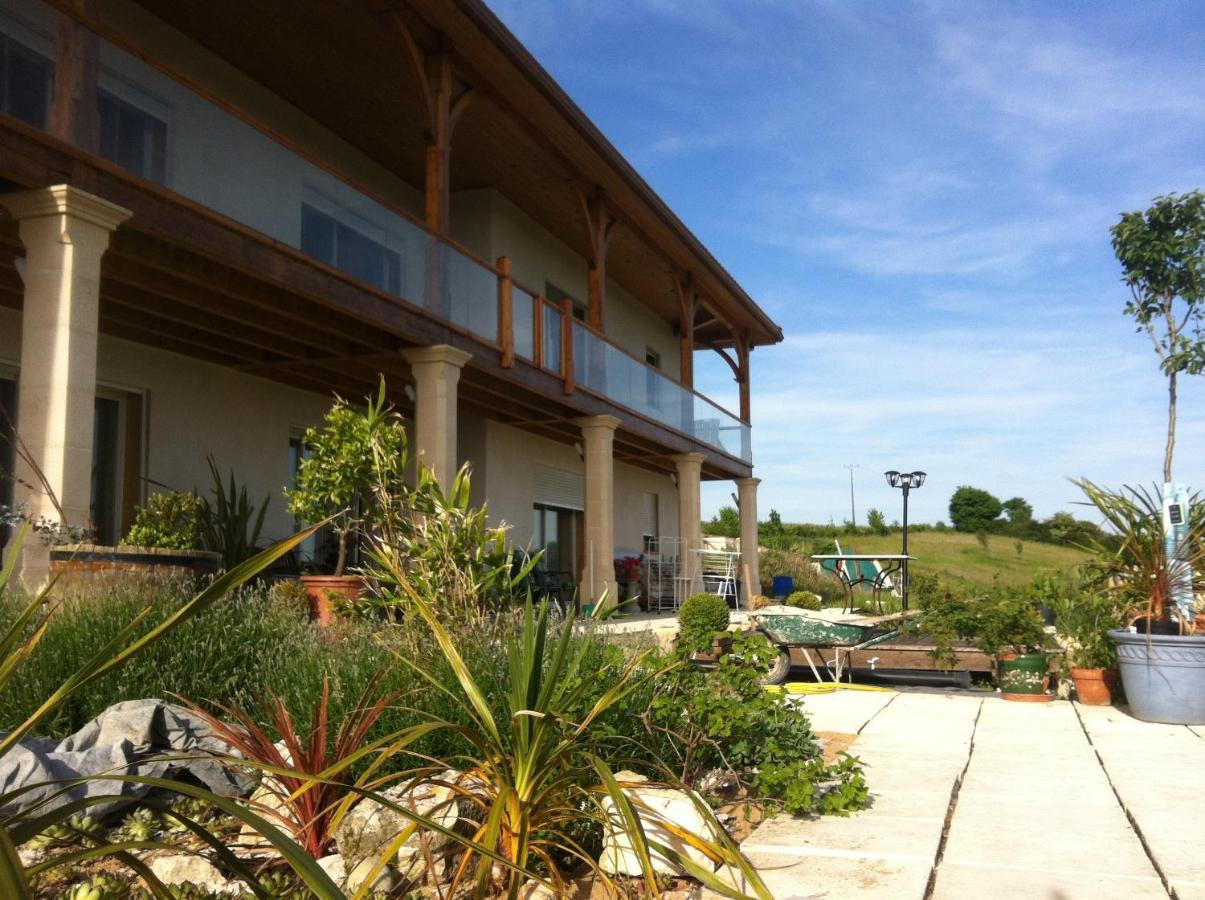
780	667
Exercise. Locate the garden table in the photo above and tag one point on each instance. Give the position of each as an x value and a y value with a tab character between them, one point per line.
884	566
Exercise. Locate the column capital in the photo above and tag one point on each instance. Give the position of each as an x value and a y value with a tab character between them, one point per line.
436	353
593	422
688	459
749	482
64	200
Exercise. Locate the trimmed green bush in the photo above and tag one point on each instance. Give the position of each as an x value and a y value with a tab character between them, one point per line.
171	520
804	600
700	619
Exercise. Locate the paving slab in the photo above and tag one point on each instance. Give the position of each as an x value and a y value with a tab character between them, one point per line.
1152	767
835	878
845	712
958	882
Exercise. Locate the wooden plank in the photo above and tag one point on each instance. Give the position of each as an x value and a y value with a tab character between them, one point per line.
506	313
74	114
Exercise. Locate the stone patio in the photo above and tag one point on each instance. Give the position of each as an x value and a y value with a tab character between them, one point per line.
974	794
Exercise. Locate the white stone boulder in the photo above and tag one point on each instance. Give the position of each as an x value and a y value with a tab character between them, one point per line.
370	827
660	809
186	867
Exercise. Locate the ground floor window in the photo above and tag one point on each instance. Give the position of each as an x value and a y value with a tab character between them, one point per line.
650	519
117	428
556	531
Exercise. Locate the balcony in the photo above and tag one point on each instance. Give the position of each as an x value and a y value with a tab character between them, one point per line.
206	154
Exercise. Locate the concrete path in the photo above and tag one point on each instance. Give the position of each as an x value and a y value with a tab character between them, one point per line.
974	793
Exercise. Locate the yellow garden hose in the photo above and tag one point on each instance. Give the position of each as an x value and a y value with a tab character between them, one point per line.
824	687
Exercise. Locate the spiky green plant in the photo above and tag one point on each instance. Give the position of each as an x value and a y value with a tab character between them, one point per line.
537	782
1137	570
16	644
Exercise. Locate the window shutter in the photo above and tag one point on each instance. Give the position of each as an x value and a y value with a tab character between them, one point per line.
648	514
556	487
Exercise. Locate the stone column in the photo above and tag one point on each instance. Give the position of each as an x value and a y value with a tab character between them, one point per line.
436	373
690	507
598	571
746	493
65	232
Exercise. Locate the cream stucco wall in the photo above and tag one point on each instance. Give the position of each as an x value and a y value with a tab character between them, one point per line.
195	408
510	465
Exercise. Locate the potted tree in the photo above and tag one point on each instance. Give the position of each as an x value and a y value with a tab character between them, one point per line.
703	627
354	451
1162	256
1006	626
1162	661
1084	614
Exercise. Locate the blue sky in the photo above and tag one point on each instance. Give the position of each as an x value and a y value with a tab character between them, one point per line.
920	194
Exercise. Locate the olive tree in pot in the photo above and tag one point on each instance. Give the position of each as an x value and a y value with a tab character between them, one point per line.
1162	663
354	451
1004	624
1084	614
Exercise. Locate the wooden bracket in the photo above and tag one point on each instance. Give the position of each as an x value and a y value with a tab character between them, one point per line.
599	226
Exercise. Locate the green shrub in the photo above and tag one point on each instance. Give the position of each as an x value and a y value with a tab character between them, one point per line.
807	576
171	520
804	600
697	721
700	619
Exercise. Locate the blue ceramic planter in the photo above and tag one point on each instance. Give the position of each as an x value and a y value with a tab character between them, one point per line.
1163	676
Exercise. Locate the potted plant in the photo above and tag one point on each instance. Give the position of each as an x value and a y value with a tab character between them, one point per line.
1084	614
628	570
1162	662
165	538
703	627
1004	624
354	451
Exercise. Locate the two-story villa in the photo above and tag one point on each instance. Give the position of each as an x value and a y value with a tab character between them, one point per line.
219	213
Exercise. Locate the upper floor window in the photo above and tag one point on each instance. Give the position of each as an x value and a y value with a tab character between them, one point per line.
132	138
326	238
26	82
555	295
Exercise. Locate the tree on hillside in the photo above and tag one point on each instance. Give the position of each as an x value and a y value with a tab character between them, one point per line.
973	509
725	523
1019	511
876	520
1162	255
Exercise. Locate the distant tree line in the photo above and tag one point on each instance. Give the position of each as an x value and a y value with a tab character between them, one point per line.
972	511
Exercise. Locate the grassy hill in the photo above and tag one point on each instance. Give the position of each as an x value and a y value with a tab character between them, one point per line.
960	558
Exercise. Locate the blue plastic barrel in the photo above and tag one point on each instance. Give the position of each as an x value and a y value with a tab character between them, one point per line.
784	585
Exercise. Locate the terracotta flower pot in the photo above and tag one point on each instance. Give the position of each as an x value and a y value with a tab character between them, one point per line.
324	590
1094	687
719	646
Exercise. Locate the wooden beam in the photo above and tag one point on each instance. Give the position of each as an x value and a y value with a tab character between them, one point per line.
74	113
740	339
684	290
238	312
599	224
506	313
567	372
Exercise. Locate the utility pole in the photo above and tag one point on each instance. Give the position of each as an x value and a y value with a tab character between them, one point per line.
853	516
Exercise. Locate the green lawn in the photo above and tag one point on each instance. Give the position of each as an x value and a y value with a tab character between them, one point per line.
960	558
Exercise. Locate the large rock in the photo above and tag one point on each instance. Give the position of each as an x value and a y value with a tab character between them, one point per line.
660	809
369	827
186	868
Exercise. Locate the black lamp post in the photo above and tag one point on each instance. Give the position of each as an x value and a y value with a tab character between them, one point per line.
906	481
